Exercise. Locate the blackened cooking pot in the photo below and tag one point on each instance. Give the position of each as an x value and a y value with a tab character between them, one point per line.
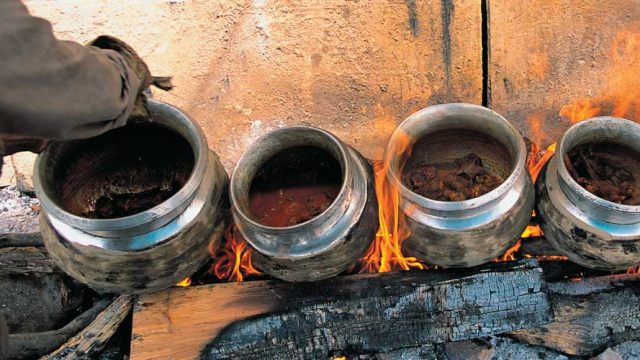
305	202
472	231
133	210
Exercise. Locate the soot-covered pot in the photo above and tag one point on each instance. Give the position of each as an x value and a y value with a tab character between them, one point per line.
133	210
305	202
470	163
590	229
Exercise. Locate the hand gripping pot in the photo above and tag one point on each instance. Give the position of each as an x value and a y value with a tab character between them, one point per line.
473	231
305	202
133	210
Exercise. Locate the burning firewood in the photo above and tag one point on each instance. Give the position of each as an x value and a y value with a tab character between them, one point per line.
462	179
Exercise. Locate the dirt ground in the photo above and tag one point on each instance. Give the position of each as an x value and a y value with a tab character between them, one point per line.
18	212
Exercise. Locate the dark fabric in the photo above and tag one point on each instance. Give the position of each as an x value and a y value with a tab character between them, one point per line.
56	89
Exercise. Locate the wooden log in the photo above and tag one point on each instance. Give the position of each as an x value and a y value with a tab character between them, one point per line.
426	352
385	313
31	345
561	270
21	240
90	341
27	261
367	313
590	315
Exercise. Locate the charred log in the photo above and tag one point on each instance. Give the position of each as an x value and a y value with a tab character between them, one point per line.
589	315
90	341
29	345
384	312
562	270
21	240
27	261
555	266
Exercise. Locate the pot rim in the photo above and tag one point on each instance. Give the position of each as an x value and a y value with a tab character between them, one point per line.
235	191
456	110
143	222
565	145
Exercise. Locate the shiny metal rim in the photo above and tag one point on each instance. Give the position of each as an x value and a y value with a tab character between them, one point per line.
439	112
155	217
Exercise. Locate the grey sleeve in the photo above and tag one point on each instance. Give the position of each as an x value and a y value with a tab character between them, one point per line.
54	89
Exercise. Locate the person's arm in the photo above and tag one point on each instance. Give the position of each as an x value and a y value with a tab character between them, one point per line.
54	89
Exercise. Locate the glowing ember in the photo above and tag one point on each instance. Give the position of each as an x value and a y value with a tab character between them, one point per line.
577	278
633	270
232	260
184	283
551	258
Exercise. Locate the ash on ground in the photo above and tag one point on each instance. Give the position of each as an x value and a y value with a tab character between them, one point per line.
18	212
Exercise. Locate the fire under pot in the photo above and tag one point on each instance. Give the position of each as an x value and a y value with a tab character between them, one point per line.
588	194
305	202
464	188
133	210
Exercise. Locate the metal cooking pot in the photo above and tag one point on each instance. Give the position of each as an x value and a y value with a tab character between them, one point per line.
591	231
474	231
148	250
326	244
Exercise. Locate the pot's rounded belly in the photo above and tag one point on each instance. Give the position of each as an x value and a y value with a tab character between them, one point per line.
147	262
466	242
581	237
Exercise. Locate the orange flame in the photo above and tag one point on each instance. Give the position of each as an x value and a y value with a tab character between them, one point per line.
536	121
633	270
509	255
622	93
535	166
624	80
184	283
531	231
581	110
385	253
232	260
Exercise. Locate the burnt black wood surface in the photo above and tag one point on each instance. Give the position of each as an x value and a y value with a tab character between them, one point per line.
382	312
590	315
21	240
